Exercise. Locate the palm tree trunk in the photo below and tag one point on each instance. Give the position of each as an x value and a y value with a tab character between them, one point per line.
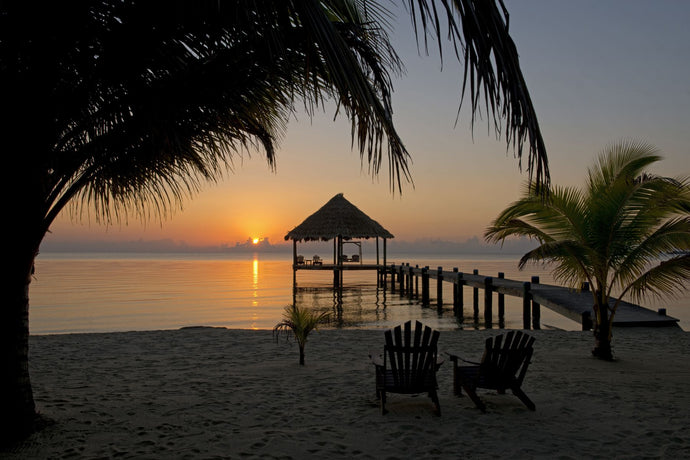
301	354
602	330
18	415
24	233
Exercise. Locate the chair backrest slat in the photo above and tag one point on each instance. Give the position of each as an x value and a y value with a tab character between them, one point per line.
507	356
411	356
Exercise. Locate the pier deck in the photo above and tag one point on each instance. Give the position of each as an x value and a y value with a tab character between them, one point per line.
570	303
345	266
567	302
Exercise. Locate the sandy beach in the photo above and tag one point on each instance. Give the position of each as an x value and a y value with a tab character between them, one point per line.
219	393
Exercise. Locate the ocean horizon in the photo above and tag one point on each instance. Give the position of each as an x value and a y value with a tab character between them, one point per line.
115	292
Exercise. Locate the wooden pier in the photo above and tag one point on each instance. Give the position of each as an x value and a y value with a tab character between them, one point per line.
573	304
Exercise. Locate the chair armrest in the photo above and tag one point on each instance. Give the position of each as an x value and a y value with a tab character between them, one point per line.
376	360
439	361
455	358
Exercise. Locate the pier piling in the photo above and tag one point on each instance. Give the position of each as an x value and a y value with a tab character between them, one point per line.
488	296
501	305
536	308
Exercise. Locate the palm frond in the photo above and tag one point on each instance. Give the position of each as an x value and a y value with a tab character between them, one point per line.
478	30
667	278
671	237
144	101
558	215
620	161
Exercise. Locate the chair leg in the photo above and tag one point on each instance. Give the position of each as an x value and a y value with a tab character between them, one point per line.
383	402
473	396
517	391
434	398
457	387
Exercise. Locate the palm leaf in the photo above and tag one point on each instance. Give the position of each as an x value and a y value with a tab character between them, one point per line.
665	279
478	30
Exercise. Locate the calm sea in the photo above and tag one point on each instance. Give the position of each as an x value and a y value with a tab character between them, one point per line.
127	292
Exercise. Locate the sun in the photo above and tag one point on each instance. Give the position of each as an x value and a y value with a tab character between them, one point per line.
255	241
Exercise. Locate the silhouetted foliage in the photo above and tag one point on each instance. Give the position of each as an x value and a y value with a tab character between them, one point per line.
626	232
119	107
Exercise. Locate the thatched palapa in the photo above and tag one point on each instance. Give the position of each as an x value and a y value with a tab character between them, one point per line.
338	220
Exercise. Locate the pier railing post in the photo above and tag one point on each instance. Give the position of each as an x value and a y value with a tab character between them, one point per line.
425	286
439	288
416	283
475	299
536	308
488	296
401	280
501	305
455	290
461	298
392	277
526	301
587	323
410	282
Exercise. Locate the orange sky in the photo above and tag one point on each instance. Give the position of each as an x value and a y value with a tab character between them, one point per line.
595	76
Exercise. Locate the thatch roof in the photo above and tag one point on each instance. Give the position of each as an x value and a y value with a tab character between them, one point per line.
337	218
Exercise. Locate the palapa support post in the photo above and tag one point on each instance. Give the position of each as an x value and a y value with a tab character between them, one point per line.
526	301
475	298
336	277
488	296
536	308
439	288
294	267
501	305
425	286
294	255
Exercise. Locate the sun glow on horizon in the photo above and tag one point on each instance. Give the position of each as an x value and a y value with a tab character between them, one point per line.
255	240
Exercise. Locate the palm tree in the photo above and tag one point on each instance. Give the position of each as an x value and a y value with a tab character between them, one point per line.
114	107
626	232
299	322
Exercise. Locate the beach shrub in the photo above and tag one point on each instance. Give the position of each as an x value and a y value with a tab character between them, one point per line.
626	232
299	322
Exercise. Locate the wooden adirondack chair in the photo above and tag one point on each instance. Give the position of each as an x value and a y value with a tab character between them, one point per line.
502	367
409	363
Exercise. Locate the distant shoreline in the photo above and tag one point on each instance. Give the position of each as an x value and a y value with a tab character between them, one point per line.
430	246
